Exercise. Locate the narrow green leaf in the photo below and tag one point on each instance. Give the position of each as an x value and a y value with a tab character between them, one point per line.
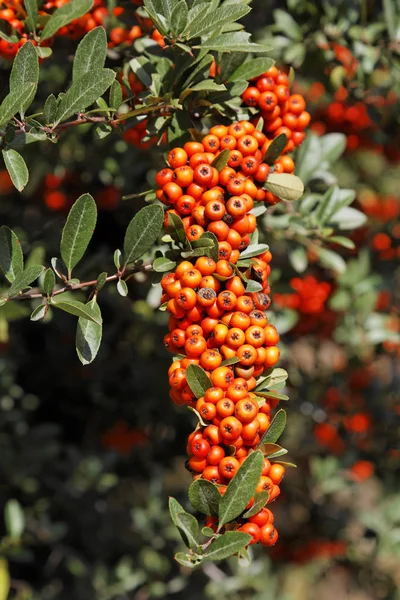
163	264
88	336
25	74
230	361
142	232
116	95
218	17
11	257
90	54
226	545
197	380
14	518
188	528
270	449
254	250
221	160
43	51
174	509
275	428
14	102
49	281
232	42
210	251
39	312
204	497
78	231
179	17
331	260
73	307
240	489
275	149
31	7
332	147
253	286
16	167
348	218
286	23
272	394
117	258
252	68
50	109
23	279
285	186
260	500
64	15
83	92
276	376
342	241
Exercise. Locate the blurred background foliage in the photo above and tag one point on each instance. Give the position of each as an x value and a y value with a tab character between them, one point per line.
89	455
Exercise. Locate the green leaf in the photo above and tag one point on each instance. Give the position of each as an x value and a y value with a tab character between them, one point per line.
16	167
332	147
184	560
221	160
253	286
273	394
11	257
204	497
232	42
23	83
342	241
188	528
49	281
25	74
83	92
122	288
163	264
64	15
174	509
331	260
213	21
340	300
32	11
226	545
88	335
260	500
176	228
73	307
254	250
240	489
230	361
197	380
252	68
43	51
116	95
50	109
212	250
101	280
78	231
275	428
117	258
179	17
285	186
270	450
90	54
14	519
142	232
275	149
348	218
298	259
276	376
39	312
286	23
23	279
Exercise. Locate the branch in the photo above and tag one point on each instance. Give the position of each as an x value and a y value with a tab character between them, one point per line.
71	287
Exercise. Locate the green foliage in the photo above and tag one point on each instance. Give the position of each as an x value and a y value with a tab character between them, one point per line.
78	231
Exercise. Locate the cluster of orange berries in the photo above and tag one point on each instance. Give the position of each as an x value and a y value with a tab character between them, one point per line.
14	13
310	295
281	111
220	201
213	319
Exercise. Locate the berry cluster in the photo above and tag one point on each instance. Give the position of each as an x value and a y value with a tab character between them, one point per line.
213	319
281	111
220	201
14	15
